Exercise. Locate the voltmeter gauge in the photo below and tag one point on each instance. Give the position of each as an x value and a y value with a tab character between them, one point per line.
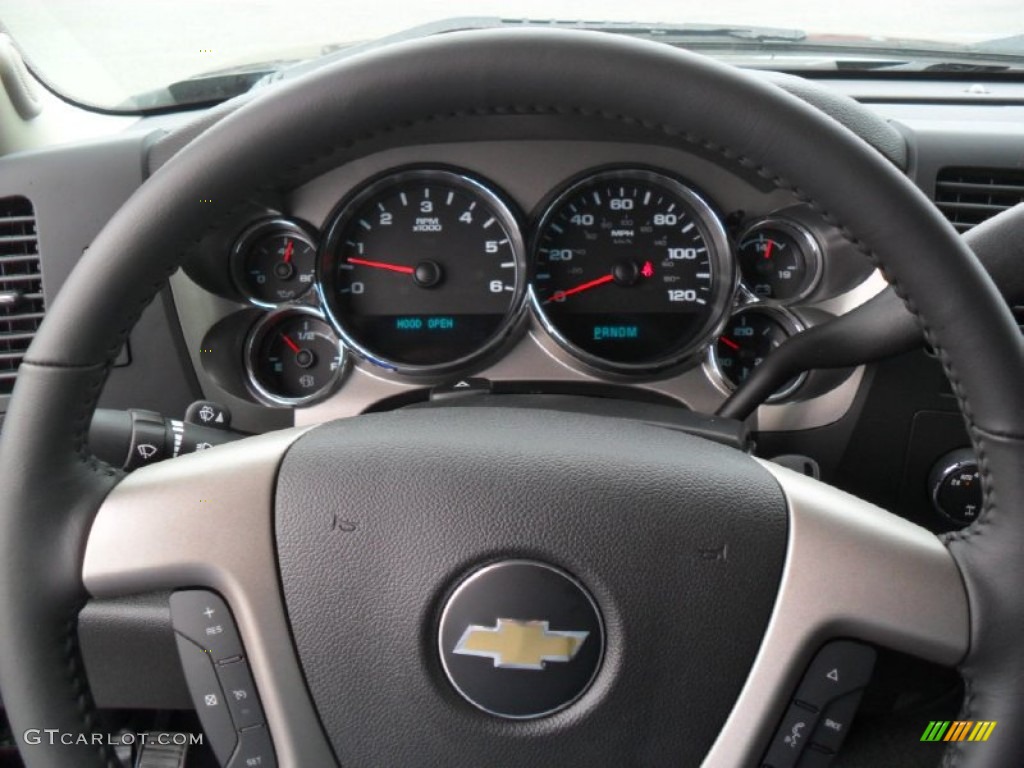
748	337
780	261
274	261
293	358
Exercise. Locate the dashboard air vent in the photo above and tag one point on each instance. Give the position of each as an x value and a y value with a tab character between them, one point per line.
968	196
21	286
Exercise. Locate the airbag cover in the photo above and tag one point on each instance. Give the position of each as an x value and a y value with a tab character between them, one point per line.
679	541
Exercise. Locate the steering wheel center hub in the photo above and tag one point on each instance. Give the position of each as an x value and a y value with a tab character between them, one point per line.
521	639
454	589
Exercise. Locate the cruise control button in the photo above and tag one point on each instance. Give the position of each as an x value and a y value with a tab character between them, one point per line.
794	732
254	750
204	618
207	698
835	721
840	667
240	693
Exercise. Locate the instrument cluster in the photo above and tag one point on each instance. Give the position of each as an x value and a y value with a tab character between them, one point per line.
428	272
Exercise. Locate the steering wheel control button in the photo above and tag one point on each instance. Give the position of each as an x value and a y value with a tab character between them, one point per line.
840	667
219	680
824	706
207	413
955	485
254	750
792	737
204	618
835	722
208	698
521	639
240	692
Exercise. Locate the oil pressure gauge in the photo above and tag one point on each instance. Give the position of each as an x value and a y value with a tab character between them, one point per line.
274	261
780	261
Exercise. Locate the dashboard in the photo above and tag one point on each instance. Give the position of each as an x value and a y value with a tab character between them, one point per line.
215	332
615	267
521	266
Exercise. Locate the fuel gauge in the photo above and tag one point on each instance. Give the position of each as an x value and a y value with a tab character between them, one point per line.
293	358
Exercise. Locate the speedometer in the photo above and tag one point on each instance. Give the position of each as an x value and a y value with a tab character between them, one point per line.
423	271
631	270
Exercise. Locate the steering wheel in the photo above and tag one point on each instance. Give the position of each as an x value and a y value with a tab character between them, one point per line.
710	577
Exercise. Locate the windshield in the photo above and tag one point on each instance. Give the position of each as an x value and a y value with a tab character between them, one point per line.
140	54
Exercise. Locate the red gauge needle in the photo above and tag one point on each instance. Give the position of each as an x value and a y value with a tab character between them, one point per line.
559	295
729	343
768	249
291	344
383	265
288	251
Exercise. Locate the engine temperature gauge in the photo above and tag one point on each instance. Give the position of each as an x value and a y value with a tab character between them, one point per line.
747	338
780	260
293	358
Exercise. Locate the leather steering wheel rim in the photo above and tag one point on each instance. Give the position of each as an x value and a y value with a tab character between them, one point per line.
54	487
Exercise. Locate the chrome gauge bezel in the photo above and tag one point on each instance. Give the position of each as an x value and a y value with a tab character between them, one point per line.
792	325
343	215
255	338
250	235
812	251
724	271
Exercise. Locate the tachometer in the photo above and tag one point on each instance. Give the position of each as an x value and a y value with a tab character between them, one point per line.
631	270
423	270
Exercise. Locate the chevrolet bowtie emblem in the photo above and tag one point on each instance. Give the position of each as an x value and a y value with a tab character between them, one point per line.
514	644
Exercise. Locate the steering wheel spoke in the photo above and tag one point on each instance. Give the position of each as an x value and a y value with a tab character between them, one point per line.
206	520
852	571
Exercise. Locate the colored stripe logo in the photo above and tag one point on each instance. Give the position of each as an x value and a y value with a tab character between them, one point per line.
958	730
